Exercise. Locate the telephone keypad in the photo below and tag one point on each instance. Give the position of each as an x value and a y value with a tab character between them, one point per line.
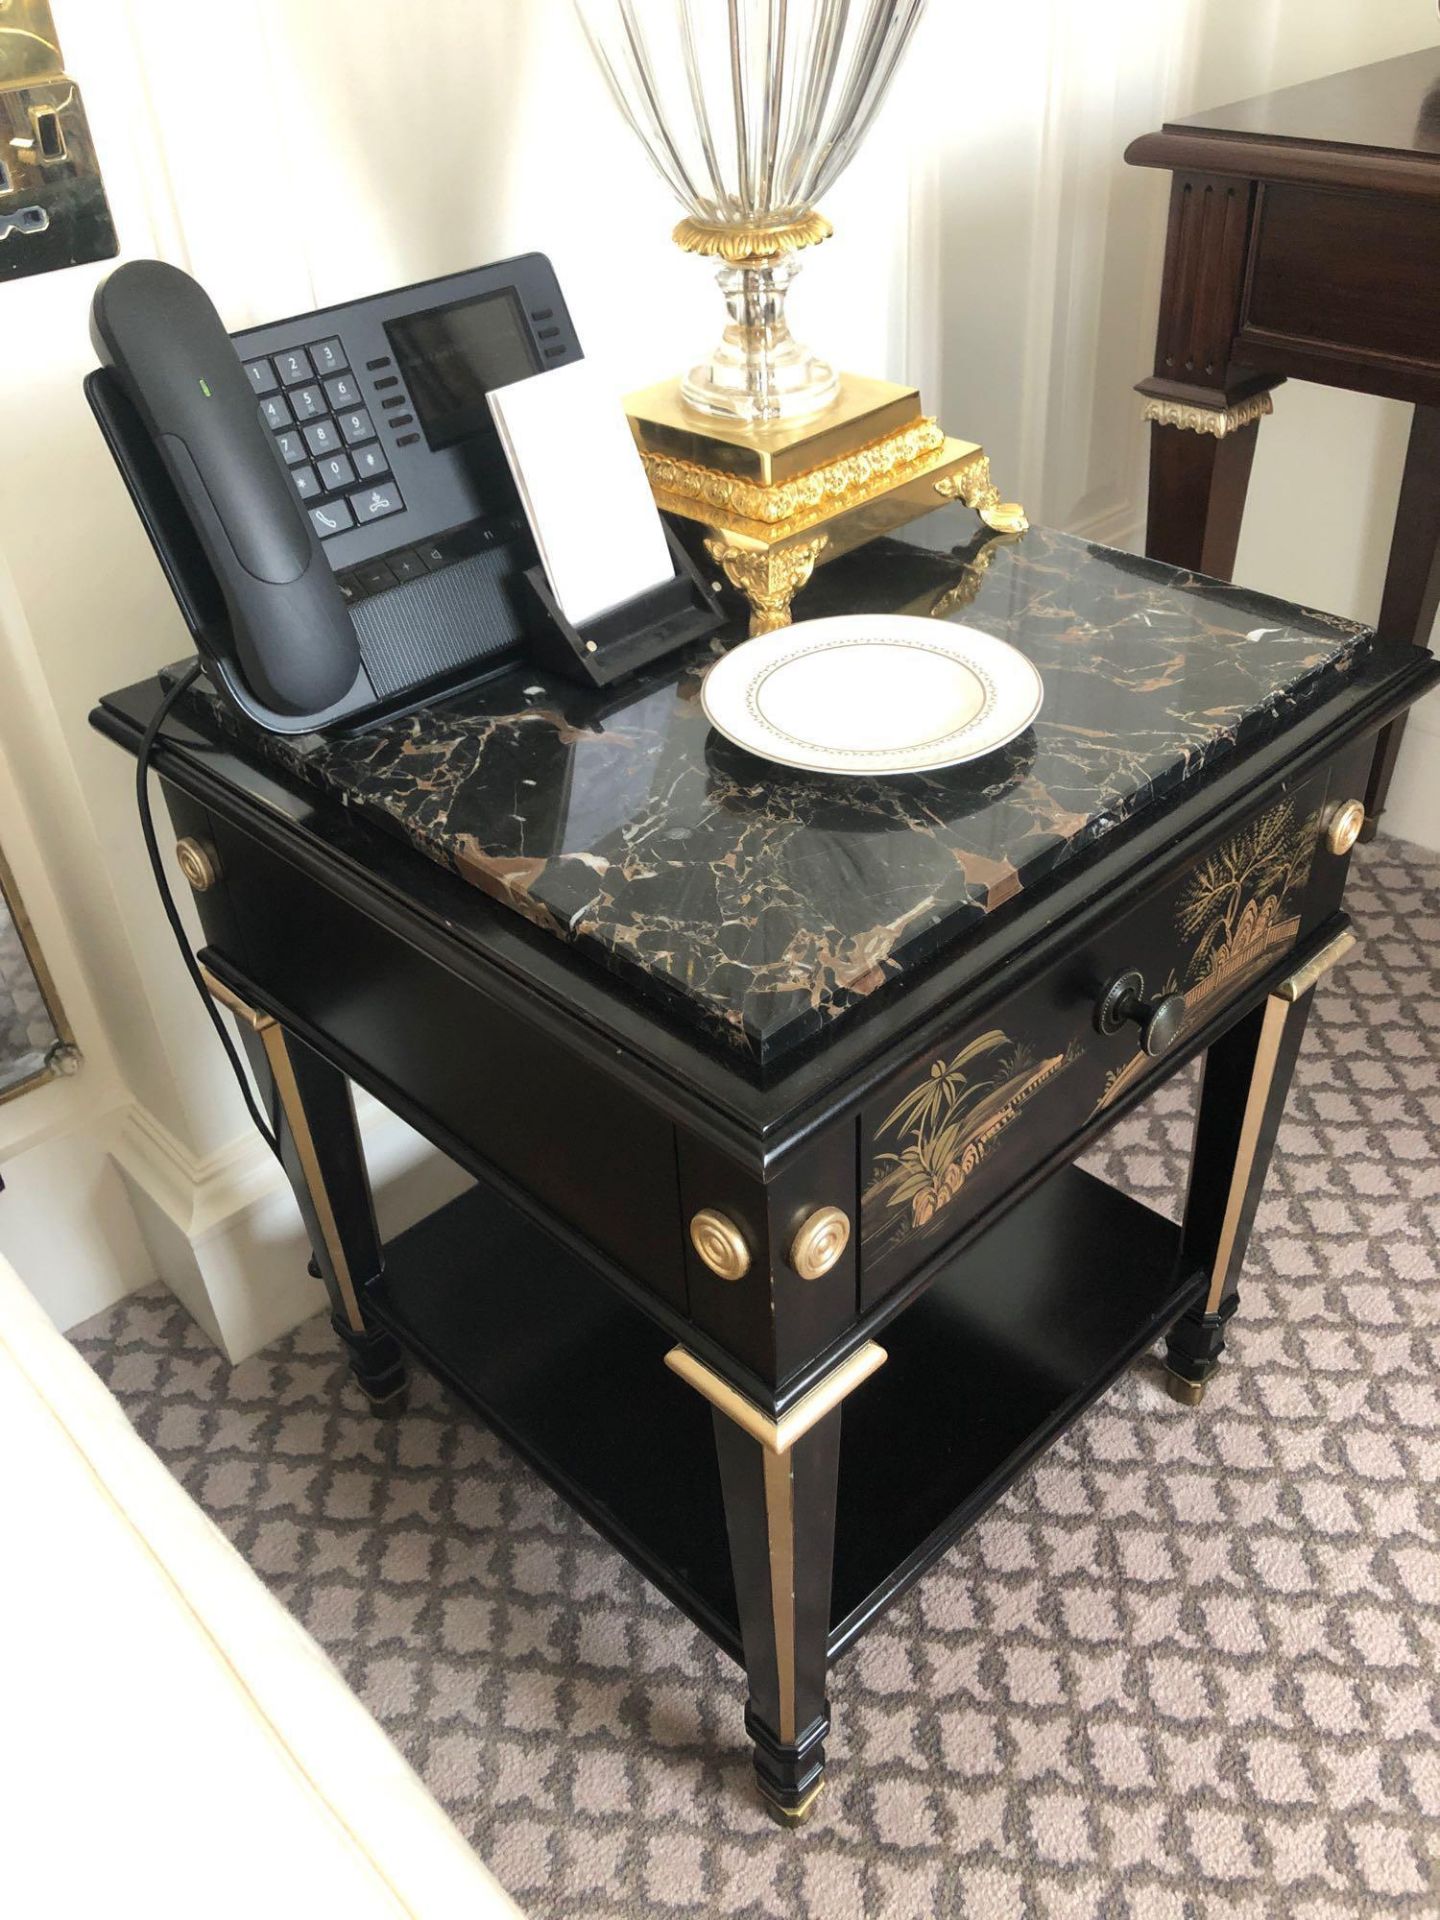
377	502
328	440
321	437
334	517
328	356
336	472
356	426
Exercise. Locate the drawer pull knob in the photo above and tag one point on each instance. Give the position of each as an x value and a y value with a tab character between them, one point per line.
1159	1021
1345	826
820	1243
720	1244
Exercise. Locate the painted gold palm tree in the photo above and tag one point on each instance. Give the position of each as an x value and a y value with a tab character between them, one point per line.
940	1122
1227	890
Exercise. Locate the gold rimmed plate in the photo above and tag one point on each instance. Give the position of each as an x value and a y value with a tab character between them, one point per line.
872	694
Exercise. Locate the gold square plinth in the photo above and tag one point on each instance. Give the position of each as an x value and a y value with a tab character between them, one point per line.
779	501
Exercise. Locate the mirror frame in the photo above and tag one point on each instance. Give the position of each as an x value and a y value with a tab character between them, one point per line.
63	1058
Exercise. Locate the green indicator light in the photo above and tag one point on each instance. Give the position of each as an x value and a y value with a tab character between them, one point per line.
205	389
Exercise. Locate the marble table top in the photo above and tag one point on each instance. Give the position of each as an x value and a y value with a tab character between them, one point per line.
761	905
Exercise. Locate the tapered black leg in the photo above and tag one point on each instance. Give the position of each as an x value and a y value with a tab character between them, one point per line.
780	1515
312	1110
1246	1082
779	1481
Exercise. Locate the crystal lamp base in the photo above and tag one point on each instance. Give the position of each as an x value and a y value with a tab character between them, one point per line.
759	373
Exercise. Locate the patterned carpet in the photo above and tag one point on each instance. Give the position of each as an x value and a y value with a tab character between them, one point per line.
1189	1669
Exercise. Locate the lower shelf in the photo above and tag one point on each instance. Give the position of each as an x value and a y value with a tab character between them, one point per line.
1013	1339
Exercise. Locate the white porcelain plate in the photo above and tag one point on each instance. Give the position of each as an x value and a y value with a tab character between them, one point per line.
888	693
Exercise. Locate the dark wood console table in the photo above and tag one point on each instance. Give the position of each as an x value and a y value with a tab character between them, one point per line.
778	1266
1305	243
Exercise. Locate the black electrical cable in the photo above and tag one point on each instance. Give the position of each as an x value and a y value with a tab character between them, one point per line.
172	912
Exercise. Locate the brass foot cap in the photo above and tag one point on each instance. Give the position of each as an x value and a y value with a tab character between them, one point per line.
795	1816
391	1405
1188	1392
1006	517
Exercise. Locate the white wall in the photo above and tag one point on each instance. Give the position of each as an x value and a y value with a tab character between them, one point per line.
991	245
1327	471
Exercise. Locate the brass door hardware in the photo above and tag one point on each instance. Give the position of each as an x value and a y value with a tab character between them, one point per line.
198	861
720	1244
820	1243
1344	826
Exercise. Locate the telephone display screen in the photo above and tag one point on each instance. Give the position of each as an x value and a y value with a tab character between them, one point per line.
452	356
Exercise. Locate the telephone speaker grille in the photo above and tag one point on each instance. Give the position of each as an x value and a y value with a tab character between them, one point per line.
438	624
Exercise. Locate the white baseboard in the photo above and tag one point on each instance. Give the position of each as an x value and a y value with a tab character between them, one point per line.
67	1225
1412	811
224	1232
1121	525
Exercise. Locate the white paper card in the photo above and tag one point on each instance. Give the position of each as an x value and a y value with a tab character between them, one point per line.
600	538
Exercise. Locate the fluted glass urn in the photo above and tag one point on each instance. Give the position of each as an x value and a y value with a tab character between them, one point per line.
750	110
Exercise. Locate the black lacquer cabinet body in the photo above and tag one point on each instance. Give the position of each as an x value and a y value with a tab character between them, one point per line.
777	1264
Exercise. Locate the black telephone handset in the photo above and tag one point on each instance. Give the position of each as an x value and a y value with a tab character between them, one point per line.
291	633
329	498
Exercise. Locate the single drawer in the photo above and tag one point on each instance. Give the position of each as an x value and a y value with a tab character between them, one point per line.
1356	273
947	1136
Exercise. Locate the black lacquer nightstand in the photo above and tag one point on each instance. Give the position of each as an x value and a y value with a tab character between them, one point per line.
778	1267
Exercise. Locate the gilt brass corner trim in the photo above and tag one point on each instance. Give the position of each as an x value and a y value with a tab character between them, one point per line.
277	1057
1297	984
231	1001
778	1436
1277	1011
1267	1053
1216	421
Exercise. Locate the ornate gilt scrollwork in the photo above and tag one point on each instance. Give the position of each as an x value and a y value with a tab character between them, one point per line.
974	488
769	577
683	485
1217	421
743	245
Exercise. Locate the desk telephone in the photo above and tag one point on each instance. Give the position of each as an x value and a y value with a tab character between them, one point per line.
328	496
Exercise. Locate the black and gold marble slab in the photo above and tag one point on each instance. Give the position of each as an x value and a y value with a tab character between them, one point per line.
762	904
